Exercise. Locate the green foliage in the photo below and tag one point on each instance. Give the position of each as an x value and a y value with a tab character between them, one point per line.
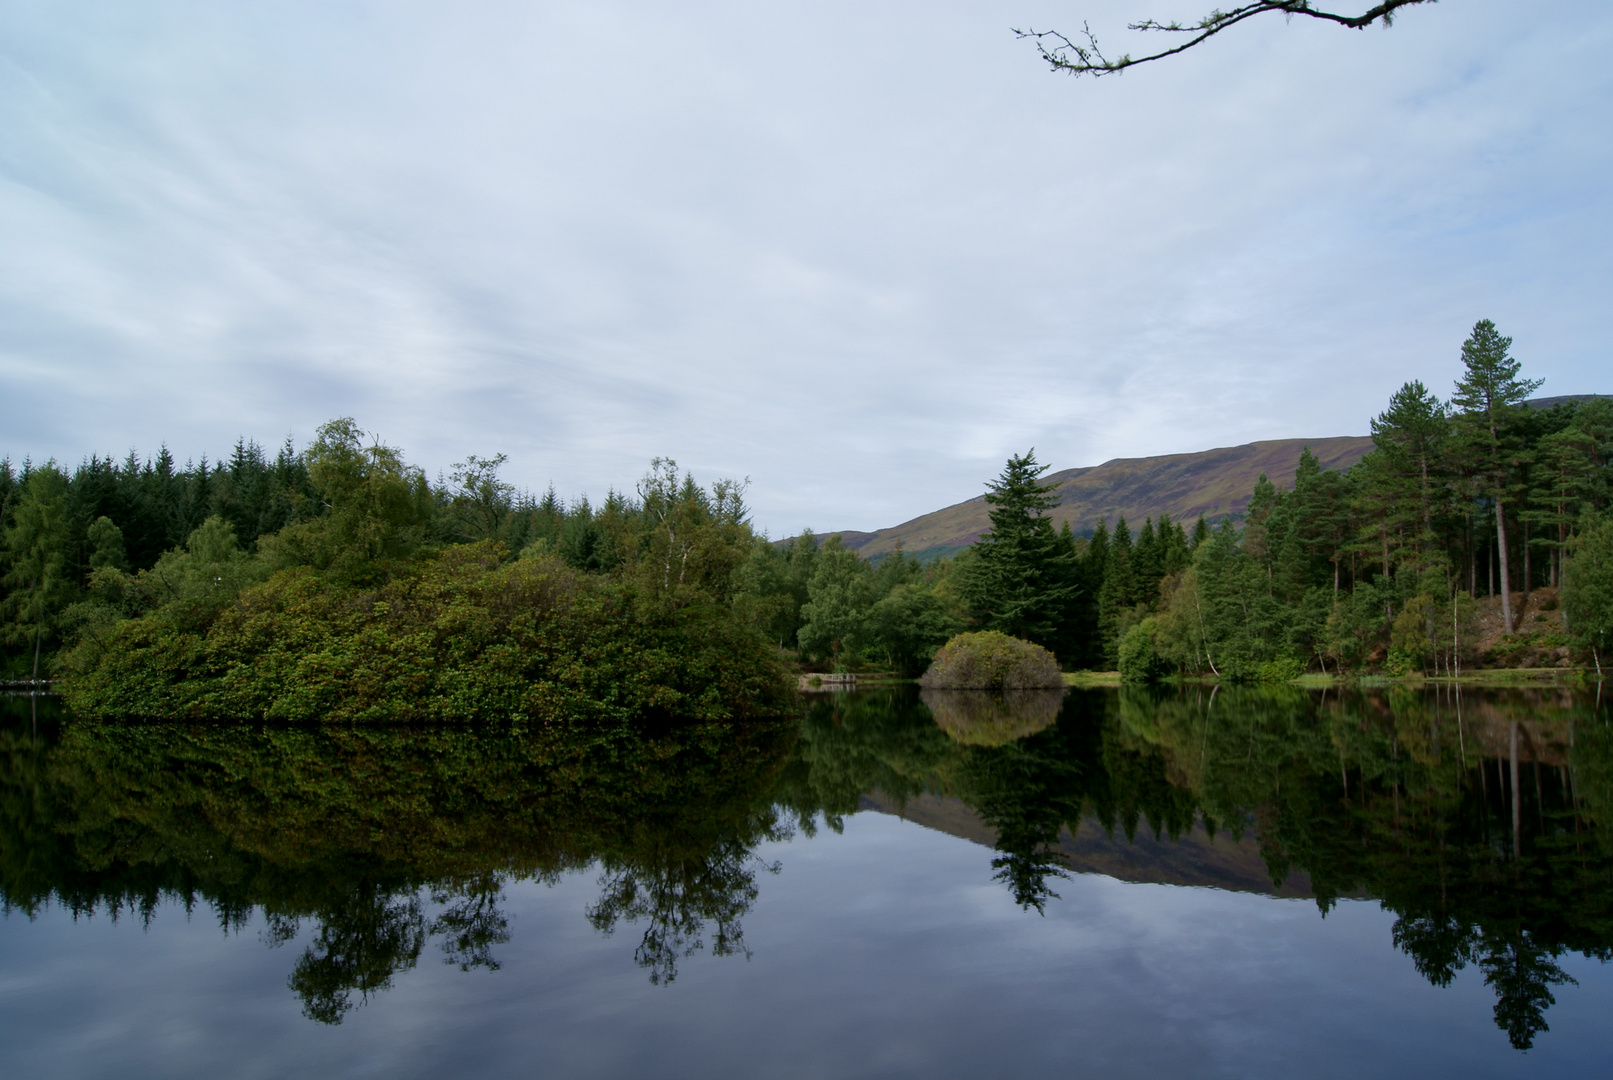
910	623
457	636
1490	384
990	660
358	610
1588	587
1143	652
376	509
36	573
106	545
839	595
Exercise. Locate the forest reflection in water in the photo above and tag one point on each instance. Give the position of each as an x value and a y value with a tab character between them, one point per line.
1478	820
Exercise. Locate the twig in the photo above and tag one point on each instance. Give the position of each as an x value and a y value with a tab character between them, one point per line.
1063	54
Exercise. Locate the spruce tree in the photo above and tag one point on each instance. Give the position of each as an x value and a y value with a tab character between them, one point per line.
1022	581
1118	592
1146	563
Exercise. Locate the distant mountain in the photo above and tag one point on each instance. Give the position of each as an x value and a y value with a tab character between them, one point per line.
1215	483
1563	399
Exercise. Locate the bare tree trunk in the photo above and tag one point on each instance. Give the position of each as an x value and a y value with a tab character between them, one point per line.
1501	548
1528	573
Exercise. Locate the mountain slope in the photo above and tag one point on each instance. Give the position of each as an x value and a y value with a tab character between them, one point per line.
1215	483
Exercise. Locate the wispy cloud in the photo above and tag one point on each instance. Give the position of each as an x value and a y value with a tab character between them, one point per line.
857	253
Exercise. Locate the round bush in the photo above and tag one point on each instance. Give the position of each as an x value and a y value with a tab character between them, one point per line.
991	661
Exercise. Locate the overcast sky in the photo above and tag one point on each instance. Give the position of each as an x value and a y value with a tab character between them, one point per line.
859	252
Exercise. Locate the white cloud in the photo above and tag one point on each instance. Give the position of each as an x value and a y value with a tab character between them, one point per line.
857	252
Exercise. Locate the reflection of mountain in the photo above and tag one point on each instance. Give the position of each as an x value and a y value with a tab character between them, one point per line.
1194	858
1479	822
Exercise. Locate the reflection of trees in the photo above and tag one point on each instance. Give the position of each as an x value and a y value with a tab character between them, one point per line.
1484	830
1479	829
1393	794
1029	790
676	899
380	842
470	923
376	930
360	943
1522	973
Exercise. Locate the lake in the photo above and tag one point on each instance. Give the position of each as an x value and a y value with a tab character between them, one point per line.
1203	881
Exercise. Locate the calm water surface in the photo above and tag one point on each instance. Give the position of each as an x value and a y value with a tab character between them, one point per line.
1238	883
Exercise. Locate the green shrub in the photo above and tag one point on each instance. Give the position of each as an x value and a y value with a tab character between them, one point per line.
1282	669
1140	653
989	660
461	635
1401	661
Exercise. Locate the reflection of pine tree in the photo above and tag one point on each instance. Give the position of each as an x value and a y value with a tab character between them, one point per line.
1523	974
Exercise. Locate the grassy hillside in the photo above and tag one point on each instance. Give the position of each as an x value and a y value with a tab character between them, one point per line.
1214	483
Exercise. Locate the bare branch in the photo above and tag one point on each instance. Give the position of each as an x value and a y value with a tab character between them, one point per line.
1064	54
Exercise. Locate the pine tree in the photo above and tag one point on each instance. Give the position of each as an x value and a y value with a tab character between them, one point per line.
1410	434
1488	395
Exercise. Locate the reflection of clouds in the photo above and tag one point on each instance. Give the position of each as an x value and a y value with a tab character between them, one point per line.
885	951
987	718
464	228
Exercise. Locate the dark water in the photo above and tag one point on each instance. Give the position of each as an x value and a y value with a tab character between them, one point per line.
1239	883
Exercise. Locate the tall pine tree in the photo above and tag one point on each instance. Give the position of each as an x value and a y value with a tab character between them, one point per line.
1022	581
1489	395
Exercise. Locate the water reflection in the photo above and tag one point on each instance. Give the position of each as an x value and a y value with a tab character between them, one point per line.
1479	820
989	718
385	841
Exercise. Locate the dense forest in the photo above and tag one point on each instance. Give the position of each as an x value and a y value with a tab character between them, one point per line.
338	580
